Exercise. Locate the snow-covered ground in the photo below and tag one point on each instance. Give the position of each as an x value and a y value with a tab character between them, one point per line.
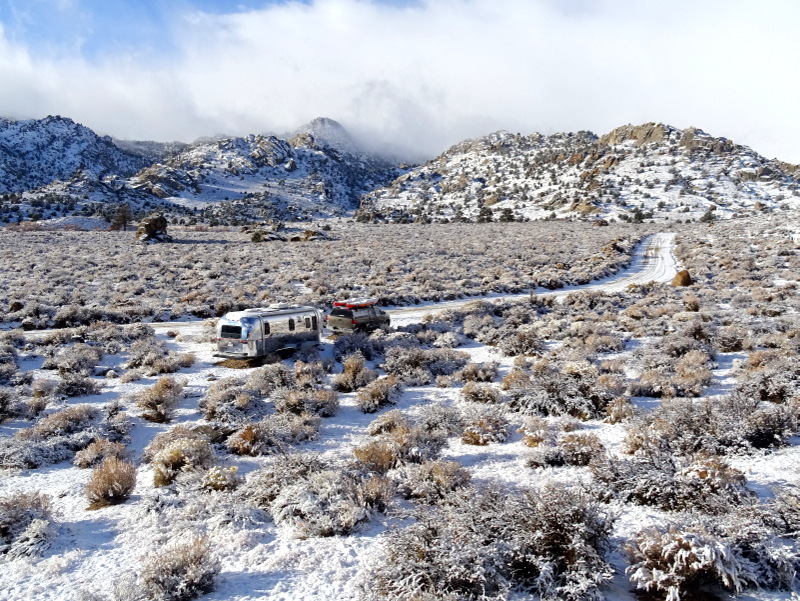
97	550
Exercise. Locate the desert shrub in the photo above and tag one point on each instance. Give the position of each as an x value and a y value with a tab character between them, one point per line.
273	433
324	503
77	359
355	374
415	366
73	385
431	481
516	341
164	439
480	392
770	378
180	454
580	448
25	524
619	410
377	456
132	375
270	377
10	404
318	401
98	451
516	378
221	478
485	425
482	544
357	342
67	421
388	422
674	560
536	431
145	352
378	394
180	571
111	482
703	483
731	339
479	372
263	486
228	400
433	417
158	403
309	374
568	388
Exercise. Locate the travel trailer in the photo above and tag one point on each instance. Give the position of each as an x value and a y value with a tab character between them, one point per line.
267	330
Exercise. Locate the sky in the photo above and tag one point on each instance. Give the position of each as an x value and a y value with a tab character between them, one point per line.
411	76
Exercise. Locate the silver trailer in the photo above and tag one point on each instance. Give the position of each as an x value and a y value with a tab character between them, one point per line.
267	330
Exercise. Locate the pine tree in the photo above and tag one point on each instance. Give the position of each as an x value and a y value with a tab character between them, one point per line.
122	217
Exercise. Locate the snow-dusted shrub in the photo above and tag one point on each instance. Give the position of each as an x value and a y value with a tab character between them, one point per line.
580	448
378	393
485	425
319	401
357	342
516	378
416	366
447	340
431	481
704	483
770	377
132	375
309	374
324	503
264	485
8	362
78	359
180	571
73	385
180	454
111	482
145	352
271	377
221	478
536	431
25	524
158	402
99	450
481	392
377	456
676	560
479	372
229	400
515	341
619	410
66	421
164	439
434	417
273	433
388	422
482	544
732	338
10	404
355	374
560	388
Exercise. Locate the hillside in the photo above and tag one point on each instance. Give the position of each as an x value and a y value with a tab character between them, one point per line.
629	173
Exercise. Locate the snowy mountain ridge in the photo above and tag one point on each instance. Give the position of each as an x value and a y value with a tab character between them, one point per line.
631	172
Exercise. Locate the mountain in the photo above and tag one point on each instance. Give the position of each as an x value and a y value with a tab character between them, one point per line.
633	172
35	153
54	166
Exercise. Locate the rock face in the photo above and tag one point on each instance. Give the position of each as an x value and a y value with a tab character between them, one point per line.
153	229
682	278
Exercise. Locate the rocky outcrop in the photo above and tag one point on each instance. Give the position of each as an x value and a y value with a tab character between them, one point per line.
648	133
682	278
153	229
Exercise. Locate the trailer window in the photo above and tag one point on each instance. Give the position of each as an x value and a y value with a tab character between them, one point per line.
308	322
313	322
291	325
266	328
230	332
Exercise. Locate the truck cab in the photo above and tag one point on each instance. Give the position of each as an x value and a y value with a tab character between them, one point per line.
356	314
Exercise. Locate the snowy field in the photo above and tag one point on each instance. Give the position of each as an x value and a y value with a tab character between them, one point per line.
618	351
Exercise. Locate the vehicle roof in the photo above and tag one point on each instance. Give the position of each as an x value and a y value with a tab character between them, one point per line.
270	311
356	303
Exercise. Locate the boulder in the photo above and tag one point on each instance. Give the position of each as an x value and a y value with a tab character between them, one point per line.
682	278
153	228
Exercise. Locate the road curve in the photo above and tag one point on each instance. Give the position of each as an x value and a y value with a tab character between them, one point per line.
653	261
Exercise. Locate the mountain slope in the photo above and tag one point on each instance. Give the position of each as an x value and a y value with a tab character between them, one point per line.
37	152
628	173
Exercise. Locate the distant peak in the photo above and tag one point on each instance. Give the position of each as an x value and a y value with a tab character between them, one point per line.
330	133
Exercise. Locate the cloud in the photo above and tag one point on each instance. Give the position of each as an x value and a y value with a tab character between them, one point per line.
425	75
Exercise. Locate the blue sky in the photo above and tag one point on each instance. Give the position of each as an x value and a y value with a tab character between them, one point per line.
413	74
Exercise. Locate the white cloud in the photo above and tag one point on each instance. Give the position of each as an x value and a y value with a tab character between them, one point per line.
427	75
